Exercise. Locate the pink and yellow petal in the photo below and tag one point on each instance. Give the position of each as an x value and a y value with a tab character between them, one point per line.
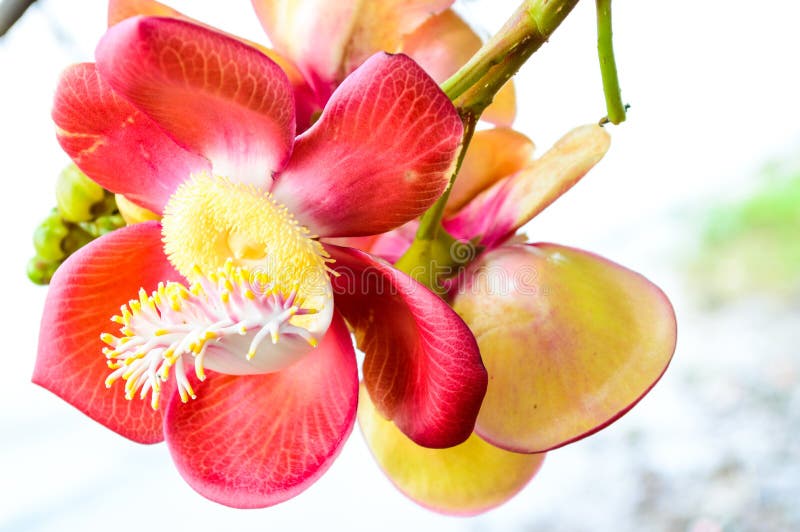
381	153
422	366
115	144
119	10
86	291
571	342
498	212
214	95
492	155
327	48
258	440
467	479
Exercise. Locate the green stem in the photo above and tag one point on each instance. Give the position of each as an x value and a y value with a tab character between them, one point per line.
608	64
471	90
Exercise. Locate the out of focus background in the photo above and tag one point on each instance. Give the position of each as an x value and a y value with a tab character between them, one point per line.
700	192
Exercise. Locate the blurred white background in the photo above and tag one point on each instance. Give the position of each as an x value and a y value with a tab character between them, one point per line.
714	90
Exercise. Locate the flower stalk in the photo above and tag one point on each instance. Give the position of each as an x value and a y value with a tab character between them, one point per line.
471	89
608	64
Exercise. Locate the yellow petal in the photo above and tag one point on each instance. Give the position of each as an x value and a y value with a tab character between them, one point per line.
503	109
133	213
570	340
492	155
467	479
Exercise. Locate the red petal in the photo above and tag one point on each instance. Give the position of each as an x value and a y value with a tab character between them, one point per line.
215	95
254	441
571	342
85	292
379	156
422	367
115	144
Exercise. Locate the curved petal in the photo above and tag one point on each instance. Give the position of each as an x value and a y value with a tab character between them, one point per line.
85	292
306	103
119	10
422	365
511	203
503	109
254	441
467	479
571	342
380	154
442	45
391	246
492	155
115	144
214	95
327	48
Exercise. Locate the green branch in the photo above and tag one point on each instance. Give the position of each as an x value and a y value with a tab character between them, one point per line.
608	64
471	90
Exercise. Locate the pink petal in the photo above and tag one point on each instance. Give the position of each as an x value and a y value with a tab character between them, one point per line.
115	144
392	245
493	154
215	95
379	156
85	292
571	342
422	367
306	103
328	40
498	212
254	441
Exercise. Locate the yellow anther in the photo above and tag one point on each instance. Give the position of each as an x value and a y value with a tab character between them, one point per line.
108	338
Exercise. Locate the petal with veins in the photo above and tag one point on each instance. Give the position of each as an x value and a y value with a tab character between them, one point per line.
214	95
254	441
381	153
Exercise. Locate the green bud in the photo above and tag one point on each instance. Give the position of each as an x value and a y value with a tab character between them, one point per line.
75	239
47	238
76	194
106	224
40	271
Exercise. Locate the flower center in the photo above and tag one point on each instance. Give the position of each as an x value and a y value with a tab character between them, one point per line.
222	322
256	274
210	220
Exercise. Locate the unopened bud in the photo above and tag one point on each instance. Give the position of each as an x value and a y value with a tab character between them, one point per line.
40	271
76	194
47	238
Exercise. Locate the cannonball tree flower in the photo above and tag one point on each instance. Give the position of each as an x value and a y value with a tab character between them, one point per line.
571	341
318	43
232	332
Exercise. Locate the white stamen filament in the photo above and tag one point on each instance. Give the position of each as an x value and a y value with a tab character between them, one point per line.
162	331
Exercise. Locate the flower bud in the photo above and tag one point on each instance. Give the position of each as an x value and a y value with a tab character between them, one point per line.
48	237
40	271
76	194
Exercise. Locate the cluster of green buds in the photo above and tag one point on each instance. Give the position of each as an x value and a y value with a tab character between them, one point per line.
84	211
